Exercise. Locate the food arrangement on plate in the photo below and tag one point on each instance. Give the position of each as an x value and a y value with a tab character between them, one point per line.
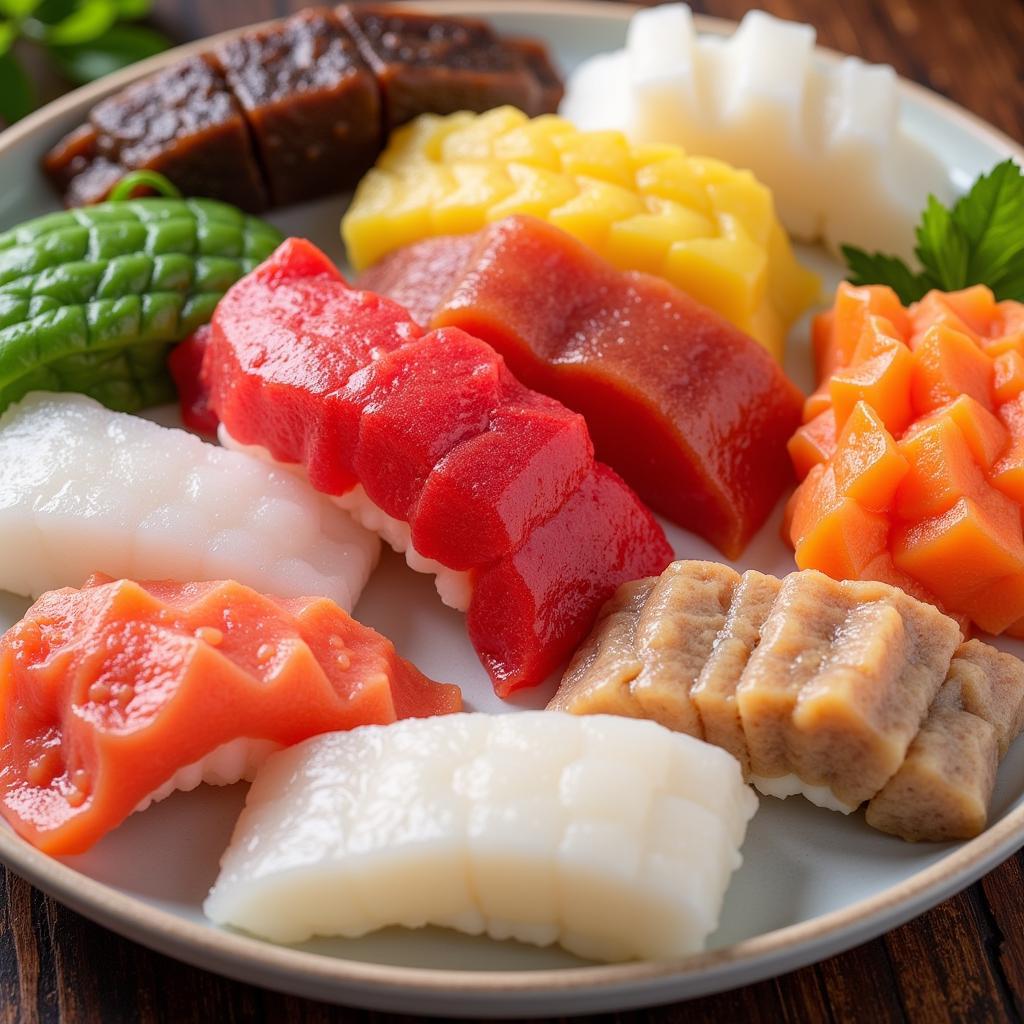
559	328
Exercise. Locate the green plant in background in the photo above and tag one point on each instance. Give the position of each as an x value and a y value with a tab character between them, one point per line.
81	39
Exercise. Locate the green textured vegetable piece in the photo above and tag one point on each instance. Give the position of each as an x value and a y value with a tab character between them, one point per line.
91	300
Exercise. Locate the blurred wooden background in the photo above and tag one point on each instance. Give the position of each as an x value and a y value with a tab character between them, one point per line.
963	961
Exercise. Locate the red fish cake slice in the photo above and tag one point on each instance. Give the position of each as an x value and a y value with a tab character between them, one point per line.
115	694
288	398
693	413
601	537
549	565
418	402
486	495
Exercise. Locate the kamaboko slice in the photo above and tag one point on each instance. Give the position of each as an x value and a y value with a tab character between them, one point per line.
84	489
431	442
117	694
613	837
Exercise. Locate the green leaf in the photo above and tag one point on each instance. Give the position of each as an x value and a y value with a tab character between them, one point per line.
17	96
17	8
88	21
131	10
877	268
8	34
118	47
942	247
991	216
49	12
979	241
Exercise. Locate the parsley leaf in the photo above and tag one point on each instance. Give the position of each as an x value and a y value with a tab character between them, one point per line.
979	241
877	268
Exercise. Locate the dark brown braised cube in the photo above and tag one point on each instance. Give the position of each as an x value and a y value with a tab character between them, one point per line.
538	60
184	123
312	103
79	173
428	64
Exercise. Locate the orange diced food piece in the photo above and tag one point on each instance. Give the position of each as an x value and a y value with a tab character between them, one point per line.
985	435
975	306
883	569
818	401
832	533
1008	375
844	541
1008	471
997	605
813	443
881	378
948	364
823	344
968	547
1008	331
849	317
868	465
809	501
936	309
942	470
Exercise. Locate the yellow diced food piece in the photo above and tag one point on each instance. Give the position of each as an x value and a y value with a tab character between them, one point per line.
602	155
419	140
792	287
673	178
533	142
708	228
537	192
652	152
394	212
641	242
746	199
590	214
726	273
475	135
478	188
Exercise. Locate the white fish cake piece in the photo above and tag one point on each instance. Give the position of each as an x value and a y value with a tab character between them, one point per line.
827	137
492	824
84	489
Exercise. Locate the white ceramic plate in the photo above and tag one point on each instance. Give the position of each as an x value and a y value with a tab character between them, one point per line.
813	883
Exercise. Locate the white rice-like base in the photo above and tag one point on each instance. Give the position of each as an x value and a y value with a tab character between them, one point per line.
84	490
614	837
454	588
783	786
227	764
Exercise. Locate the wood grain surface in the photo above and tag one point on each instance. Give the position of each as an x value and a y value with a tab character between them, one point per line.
963	961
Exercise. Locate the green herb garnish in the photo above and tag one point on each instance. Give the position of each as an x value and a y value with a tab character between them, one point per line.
979	241
81	40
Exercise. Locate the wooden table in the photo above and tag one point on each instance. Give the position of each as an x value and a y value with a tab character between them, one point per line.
963	961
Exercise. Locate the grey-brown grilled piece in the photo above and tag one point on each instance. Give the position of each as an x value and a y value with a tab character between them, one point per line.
944	787
841	682
650	646
599	678
675	634
715	691
847	692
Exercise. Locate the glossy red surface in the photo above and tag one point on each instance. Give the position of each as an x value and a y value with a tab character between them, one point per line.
693	413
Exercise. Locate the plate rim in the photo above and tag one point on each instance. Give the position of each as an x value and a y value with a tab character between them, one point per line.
302	971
